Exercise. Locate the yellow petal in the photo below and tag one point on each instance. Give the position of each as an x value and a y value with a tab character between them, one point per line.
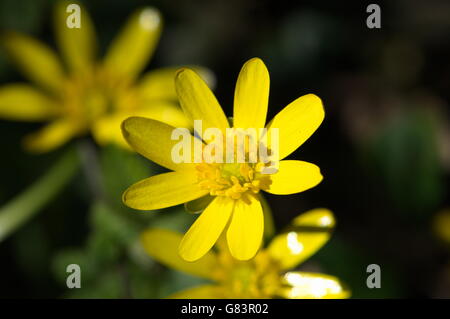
25	103
37	61
51	136
77	45
294	177
206	229
313	286
163	244
160	84
308	233
107	128
163	190
152	139
251	96
198	102
297	122
131	50
199	292
246	229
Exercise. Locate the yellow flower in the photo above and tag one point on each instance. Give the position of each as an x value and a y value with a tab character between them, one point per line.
84	94
234	187
441	225
267	275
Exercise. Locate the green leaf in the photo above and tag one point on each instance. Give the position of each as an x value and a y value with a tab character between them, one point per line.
23	207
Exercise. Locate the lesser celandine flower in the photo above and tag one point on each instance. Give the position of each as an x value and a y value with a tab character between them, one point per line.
234	186
85	94
268	275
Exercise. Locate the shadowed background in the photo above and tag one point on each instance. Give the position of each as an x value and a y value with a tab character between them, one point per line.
384	147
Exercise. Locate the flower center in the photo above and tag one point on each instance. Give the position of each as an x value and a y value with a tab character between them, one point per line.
257	278
93	96
232	179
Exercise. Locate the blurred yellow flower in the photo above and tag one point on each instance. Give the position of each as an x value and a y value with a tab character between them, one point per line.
441	225
234	187
268	275
88	95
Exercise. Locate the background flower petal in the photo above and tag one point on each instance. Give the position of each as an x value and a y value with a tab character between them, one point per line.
251	95
133	47
294	177
306	285
307	234
77	45
163	246
51	136
36	60
25	103
199	292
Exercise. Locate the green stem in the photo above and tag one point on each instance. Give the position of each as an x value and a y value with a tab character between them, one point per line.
27	204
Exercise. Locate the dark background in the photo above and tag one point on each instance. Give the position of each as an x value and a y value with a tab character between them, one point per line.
384	147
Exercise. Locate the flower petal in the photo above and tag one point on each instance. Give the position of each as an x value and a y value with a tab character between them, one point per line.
77	45
206	229
51	136
37	61
297	122
306	285
294	177
107	128
25	103
163	244
199	292
131	50
160	85
251	95
152	139
163	190
198	102
246	229
308	233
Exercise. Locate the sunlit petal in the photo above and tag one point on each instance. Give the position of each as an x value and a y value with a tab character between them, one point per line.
307	234
294	177
198	102
246	229
313	286
297	122
251	95
163	190
152	139
206	230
